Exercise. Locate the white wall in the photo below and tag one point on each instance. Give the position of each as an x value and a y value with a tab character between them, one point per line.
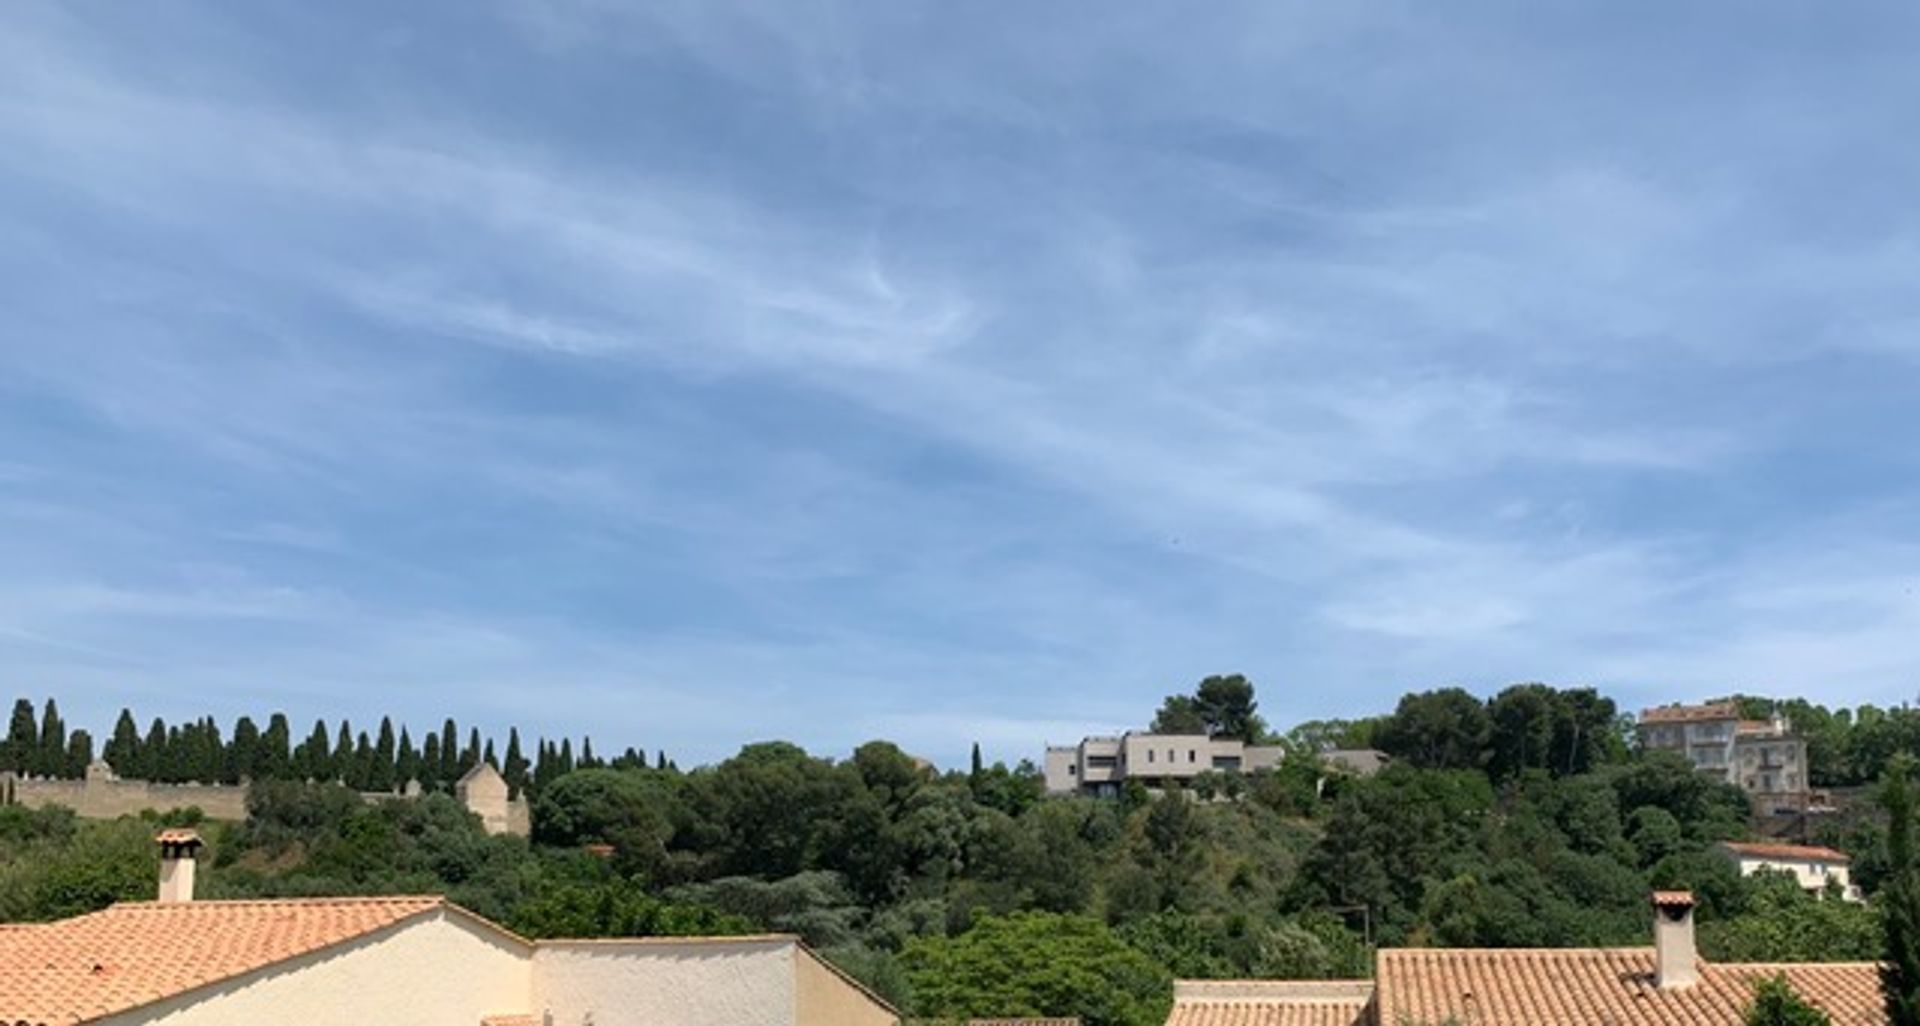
438	970
666	982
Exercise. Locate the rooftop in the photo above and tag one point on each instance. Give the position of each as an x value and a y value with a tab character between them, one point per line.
1689	713
1796	852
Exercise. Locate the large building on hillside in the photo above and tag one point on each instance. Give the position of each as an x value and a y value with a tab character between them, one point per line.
1761	757
395	961
1667	984
1100	766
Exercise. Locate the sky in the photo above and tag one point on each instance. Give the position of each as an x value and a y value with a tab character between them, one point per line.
688	374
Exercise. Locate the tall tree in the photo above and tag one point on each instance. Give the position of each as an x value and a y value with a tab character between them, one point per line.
154	756
314	760
1900	899
274	760
123	748
430	778
79	752
243	752
1220	706
515	770
23	739
450	769
50	756
343	753
406	762
1443	729
380	771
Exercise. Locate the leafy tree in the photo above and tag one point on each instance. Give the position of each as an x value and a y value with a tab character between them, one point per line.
1775	1004
1037	964
1900	899
1445	729
623	808
1220	706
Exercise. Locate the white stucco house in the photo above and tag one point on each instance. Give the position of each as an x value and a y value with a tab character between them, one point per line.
397	961
1814	867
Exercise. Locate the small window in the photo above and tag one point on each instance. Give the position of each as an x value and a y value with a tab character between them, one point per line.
1149	755
1073	771
1193	755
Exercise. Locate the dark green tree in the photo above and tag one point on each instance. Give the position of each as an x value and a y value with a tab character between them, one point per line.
123	748
406	762
23	739
1444	729
154	755
79	753
274	758
1775	1004
380	769
1036	964
515	769
343	767
50	753
1900	899
450	768
314	760
243	752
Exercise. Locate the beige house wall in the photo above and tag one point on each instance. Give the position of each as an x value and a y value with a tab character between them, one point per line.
439	970
738	982
824	998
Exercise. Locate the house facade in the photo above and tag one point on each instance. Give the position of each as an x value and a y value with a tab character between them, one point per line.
1100	766
398	961
1814	868
1761	757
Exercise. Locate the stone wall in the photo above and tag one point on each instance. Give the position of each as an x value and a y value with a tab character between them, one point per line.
105	797
102	795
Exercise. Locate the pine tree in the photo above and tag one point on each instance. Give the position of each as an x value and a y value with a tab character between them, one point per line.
1900	899
275	759
23	739
515	770
243	752
79	753
123	749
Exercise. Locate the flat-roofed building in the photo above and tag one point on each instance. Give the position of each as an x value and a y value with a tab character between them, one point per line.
1101	765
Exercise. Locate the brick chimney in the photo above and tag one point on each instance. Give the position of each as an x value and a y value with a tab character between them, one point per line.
179	848
1676	962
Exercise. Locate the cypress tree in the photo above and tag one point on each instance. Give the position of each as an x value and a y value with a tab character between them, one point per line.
586	753
406	763
449	752
470	757
380	770
212	755
515	769
50	756
566	756
153	751
79	753
275	761
1900	899
243	752
661	764
975	768
343	753
23	739
430	763
543	764
123	749
316	758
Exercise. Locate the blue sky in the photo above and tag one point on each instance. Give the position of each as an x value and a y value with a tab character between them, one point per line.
688	374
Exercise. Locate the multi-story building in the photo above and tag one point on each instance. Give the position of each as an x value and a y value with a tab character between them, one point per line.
1761	757
1100	766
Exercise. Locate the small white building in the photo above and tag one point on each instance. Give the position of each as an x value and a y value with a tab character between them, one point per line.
1099	766
1814	867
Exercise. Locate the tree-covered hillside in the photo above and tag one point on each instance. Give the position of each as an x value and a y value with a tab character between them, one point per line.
1520	821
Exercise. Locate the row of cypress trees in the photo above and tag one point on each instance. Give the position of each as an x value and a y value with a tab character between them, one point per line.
384	759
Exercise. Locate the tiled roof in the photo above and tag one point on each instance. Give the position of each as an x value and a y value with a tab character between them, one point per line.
1268	1013
1601	987
129	955
1801	852
1271	1003
1688	713
510	1020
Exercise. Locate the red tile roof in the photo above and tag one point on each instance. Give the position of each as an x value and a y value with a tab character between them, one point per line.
81	969
1271	1003
1690	713
1600	987
1800	852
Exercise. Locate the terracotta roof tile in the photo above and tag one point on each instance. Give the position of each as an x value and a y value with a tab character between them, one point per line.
1257	1012
1807	853
1689	713
511	1020
1600	987
77	970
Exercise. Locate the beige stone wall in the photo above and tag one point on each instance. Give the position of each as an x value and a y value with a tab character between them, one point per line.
685	982
822	997
102	798
439	971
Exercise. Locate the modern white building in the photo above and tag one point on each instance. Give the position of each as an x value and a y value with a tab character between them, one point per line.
1100	766
1814	867
1761	757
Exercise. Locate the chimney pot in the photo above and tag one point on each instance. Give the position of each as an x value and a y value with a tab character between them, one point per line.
1676	961
178	849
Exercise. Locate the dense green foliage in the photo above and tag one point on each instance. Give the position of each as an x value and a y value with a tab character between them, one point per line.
1900	899
1517	821
1775	1004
